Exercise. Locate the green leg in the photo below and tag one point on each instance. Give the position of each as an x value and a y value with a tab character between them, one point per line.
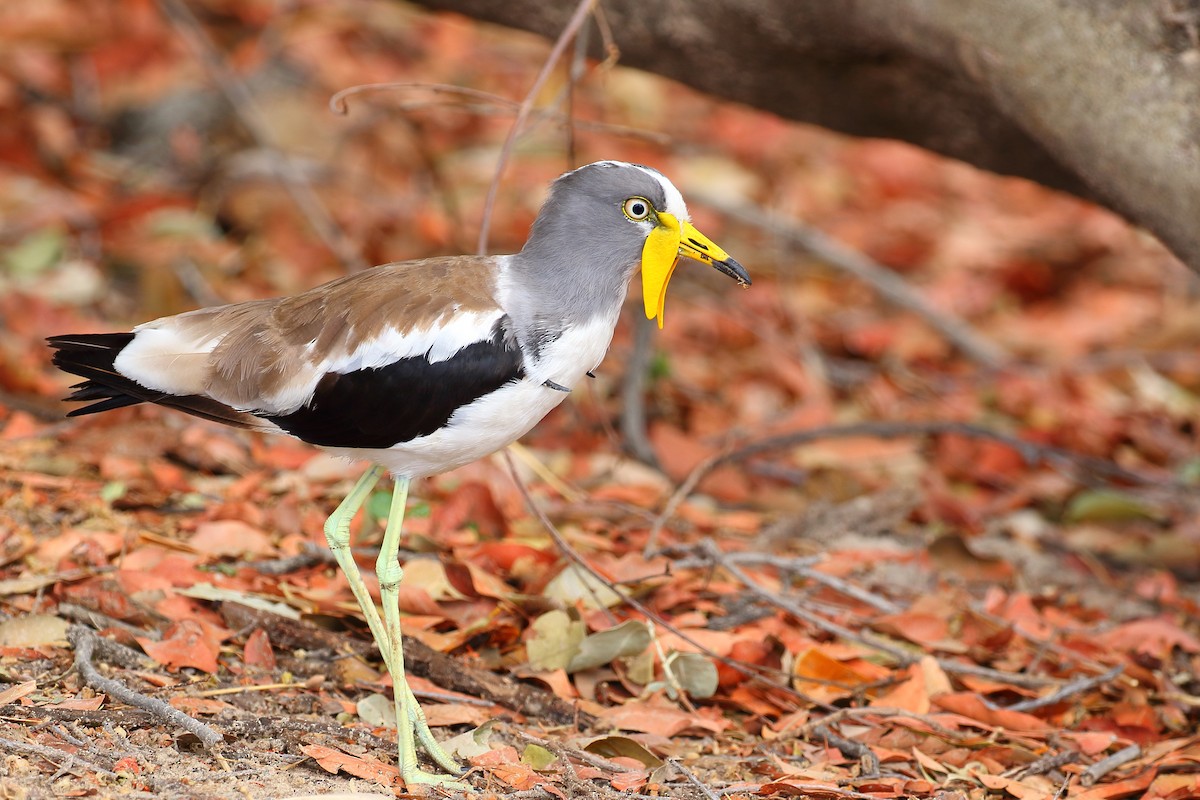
410	718
337	533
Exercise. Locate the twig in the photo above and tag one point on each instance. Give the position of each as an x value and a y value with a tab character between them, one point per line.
54	756
751	671
851	749
692	779
803	567
1106	765
889	285
633	392
592	759
99	620
490	104
881	711
1062	693
1030	452
1047	763
256	122
709	548
85	642
311	556
577	19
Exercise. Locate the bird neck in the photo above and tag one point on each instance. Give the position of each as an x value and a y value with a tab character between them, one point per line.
567	281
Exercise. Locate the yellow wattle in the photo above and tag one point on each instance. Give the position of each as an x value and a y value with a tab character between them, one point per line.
659	256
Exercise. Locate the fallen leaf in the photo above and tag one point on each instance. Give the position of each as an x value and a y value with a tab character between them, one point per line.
335	761
629	638
258	651
183	645
32	630
554	640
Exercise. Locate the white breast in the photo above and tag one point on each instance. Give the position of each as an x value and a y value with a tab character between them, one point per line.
496	420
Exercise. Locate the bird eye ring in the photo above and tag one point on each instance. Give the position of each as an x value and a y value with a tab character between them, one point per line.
636	208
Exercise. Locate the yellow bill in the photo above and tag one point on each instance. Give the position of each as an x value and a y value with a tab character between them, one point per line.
669	240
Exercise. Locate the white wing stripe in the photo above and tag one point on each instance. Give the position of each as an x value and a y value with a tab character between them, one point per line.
439	342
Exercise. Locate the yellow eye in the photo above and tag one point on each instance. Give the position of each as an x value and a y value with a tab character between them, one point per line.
637	208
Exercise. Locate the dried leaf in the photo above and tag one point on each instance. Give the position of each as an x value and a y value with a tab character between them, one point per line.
555	641
538	757
471	744
377	710
1107	505
603	647
623	747
694	672
33	630
576	585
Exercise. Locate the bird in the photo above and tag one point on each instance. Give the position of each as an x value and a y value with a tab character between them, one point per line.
415	367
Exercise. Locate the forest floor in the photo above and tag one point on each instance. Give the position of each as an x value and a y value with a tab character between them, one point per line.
888	547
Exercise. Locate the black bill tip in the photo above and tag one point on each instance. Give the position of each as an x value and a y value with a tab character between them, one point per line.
734	270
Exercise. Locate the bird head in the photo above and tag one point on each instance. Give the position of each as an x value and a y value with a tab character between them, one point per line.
628	208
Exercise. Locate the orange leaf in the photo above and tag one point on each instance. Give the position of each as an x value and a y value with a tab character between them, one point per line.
909	694
660	720
258	651
1130	787
334	761
183	645
629	781
971	705
232	538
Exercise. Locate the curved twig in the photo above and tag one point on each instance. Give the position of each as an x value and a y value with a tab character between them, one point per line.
84	642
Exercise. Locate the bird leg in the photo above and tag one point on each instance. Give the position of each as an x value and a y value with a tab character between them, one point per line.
410	718
337	533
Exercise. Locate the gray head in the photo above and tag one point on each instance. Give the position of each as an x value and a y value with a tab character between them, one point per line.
600	224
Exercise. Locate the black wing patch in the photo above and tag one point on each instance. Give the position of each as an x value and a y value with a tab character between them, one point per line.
412	397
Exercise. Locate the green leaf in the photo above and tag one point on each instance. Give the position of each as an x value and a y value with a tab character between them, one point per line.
695	673
538	757
627	639
555	640
1107	505
112	491
36	253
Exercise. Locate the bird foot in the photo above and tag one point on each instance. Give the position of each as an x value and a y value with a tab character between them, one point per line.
419	777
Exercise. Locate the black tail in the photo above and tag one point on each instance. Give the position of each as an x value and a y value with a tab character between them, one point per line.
91	357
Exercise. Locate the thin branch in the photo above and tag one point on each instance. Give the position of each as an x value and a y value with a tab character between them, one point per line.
1067	690
1106	765
851	749
801	566
889	285
85	642
54	756
692	779
573	25
751	671
252	117
489	104
633	392
867	639
574	752
1030	452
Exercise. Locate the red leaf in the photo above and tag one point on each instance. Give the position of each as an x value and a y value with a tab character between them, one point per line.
258	651
183	645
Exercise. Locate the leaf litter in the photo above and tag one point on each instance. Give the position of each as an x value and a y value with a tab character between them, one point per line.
932	614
